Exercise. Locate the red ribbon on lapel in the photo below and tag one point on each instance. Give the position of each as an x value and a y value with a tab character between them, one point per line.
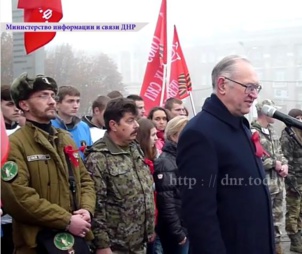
71	155
259	148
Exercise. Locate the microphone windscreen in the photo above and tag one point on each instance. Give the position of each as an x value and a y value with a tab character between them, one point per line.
268	110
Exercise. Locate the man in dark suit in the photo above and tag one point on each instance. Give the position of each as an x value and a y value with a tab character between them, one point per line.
228	210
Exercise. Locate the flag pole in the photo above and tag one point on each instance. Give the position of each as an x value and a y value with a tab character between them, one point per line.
163	86
192	103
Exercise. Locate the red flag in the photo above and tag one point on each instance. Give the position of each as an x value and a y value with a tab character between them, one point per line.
180	83
40	11
4	141
154	75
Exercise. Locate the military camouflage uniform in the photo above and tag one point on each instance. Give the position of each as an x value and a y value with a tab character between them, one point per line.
124	216
270	142
293	152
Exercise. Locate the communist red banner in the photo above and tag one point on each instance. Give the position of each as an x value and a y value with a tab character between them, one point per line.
40	11
179	84
154	76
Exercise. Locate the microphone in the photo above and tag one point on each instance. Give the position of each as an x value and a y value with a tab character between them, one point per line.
274	113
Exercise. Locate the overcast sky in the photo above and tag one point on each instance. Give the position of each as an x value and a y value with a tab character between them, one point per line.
193	18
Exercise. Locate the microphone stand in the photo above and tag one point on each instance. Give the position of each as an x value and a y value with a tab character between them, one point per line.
293	135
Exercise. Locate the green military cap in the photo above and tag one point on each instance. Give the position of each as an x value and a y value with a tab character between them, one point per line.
23	86
268	102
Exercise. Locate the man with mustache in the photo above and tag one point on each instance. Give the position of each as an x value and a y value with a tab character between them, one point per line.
37	188
124	217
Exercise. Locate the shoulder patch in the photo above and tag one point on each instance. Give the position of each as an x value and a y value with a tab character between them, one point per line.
9	171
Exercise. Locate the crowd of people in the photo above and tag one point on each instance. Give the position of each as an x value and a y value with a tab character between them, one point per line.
109	183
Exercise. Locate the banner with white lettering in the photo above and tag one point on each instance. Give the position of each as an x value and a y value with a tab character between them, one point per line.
180	84
40	11
154	76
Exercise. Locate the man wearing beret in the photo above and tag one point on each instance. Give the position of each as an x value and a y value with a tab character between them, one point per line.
36	180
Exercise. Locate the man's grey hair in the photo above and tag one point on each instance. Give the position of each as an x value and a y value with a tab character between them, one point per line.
226	67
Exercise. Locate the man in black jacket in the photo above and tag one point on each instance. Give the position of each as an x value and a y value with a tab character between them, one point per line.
228	211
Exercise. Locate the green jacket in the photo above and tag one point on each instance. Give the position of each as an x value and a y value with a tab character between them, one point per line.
39	196
125	212
271	144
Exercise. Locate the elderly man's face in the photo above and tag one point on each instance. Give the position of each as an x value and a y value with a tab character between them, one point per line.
239	90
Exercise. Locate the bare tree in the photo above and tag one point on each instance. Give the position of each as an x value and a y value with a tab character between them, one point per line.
92	75
60	63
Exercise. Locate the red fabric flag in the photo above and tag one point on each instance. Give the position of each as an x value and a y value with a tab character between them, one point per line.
180	84
40	11
4	141
153	81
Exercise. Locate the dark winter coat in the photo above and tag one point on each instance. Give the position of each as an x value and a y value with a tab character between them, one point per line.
227	207
168	196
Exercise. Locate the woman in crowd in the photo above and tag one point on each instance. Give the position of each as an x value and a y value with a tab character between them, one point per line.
293	182
160	117
146	137
170	228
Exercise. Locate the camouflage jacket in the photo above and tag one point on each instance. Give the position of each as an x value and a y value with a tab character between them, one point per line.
271	144
293	152
124	215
